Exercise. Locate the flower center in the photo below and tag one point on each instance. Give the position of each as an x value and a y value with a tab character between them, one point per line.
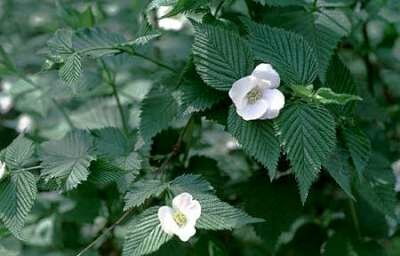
180	218
254	95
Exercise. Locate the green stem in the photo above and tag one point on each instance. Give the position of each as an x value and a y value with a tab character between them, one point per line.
219	7
111	82
105	232
156	62
354	217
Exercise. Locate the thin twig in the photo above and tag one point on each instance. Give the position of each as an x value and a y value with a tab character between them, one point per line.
111	82
156	62
354	217
106	232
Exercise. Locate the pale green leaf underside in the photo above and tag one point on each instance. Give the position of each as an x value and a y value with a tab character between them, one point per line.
221	57
19	153
307	133
141	191
67	160
191	183
17	195
70	72
257	138
145	234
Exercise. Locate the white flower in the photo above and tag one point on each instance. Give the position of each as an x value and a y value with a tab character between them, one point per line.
2	170
24	123
6	104
181	219
256	96
396	171
170	23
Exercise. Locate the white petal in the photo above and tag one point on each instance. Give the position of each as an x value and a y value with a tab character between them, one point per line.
192	211
253	111
239	90
186	232
2	169
165	216
268	75
182	201
276	101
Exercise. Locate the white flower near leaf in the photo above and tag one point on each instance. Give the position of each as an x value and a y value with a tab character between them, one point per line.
181	218
2	170
396	171
170	23
256	96
24	123
6	104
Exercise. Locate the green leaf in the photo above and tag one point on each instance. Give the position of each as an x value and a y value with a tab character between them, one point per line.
194	184
185	6
19	153
359	147
282	2
307	133
7	66
339	168
221	57
60	45
158	109
104	172
67	160
218	215
327	96
111	142
145	234
17	196
323	29
287	52
158	3
97	42
377	185
257	139
340	80
70	72
198	96
141	191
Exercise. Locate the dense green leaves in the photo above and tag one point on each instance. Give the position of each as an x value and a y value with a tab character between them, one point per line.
287	52
143	190
359	147
257	139
189	182
158	109
307	133
218	215
221	57
145	234
339	168
17	196
377	185
322	28
67	160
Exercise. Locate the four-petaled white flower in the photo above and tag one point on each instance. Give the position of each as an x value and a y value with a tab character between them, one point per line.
2	170
181	219
256	96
